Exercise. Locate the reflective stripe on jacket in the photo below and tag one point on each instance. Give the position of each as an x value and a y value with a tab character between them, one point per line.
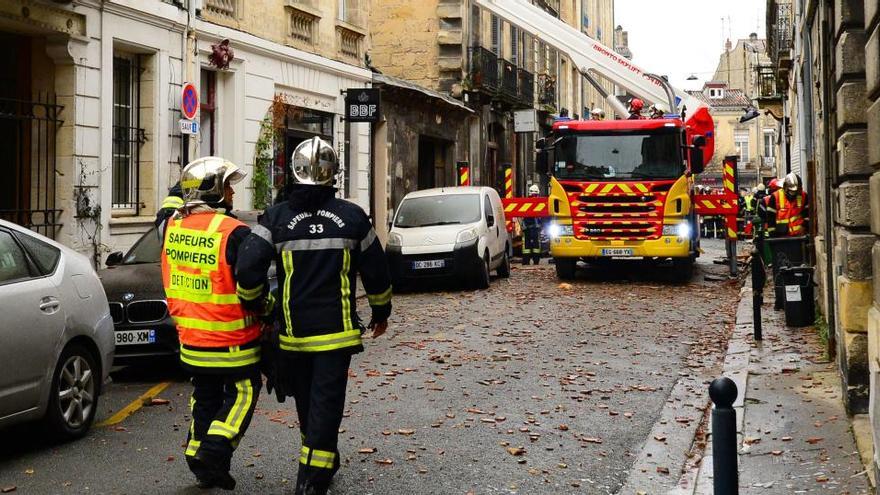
791	213
200	289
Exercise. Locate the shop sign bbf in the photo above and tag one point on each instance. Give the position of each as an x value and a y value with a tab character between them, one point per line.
362	105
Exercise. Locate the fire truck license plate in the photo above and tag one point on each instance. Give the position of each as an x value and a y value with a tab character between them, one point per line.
421	265
134	337
617	252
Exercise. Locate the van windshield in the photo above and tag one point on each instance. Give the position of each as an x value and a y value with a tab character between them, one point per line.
449	209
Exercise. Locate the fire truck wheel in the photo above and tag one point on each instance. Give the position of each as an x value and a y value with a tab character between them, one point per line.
566	268
683	269
504	267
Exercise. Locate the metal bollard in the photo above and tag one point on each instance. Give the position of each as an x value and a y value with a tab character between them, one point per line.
723	393
759	278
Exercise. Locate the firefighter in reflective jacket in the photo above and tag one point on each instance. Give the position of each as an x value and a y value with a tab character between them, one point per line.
531	249
170	205
786	211
319	244
219	338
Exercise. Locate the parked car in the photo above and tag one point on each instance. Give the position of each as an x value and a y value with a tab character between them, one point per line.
453	233
133	281
57	334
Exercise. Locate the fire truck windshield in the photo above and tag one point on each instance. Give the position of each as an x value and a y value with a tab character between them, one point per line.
619	156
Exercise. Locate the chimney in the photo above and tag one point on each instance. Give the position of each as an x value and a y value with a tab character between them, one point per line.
753	37
728	45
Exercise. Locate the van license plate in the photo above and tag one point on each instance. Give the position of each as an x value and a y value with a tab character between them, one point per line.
135	337
617	252
422	265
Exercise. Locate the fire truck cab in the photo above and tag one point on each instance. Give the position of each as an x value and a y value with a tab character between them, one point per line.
622	188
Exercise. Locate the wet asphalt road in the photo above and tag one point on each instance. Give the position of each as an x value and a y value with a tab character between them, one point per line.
528	387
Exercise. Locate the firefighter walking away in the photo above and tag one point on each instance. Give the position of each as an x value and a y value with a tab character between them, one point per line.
319	243
219	338
786	211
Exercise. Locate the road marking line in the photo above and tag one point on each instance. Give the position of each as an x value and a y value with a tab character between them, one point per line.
134	405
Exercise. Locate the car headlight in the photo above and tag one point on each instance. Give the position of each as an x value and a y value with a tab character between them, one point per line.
555	230
466	236
395	239
682	230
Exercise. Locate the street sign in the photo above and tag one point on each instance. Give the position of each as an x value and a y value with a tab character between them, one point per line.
188	126
363	105
525	121
189	101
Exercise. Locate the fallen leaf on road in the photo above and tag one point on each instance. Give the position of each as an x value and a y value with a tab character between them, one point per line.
660	438
786	439
563	427
814	440
821	479
662	470
367	450
592	440
516	451
28	471
565	286
7	489
776	452
159	402
170	458
385	462
404	431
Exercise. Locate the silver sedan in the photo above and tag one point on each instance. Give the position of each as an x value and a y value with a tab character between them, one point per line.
56	330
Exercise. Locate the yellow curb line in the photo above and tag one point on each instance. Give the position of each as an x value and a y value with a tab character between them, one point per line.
134	405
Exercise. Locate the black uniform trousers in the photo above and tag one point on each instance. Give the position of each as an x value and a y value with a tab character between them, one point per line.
318	381
531	249
222	406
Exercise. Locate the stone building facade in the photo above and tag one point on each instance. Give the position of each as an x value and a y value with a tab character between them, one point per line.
455	48
91	103
827	59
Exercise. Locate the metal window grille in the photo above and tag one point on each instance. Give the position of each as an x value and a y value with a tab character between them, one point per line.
128	136
496	35
514	45
27	141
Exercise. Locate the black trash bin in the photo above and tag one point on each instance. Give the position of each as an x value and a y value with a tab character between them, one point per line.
785	252
800	308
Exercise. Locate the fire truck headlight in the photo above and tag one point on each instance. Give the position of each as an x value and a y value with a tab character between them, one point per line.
556	231
682	230
395	239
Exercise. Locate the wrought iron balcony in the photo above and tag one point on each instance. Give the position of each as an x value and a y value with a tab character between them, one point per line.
780	30
765	79
484	69
526	87
508	78
546	89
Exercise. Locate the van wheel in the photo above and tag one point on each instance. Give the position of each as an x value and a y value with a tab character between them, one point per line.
73	398
482	280
566	268
683	269
504	268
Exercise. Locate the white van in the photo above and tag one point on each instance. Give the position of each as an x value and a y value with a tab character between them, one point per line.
450	232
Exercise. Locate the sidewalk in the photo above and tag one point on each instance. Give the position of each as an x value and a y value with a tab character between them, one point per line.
794	434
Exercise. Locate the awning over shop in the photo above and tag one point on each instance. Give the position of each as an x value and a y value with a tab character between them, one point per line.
382	79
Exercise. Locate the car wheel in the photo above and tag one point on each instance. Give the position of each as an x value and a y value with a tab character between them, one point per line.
504	268
482	281
73	398
566	268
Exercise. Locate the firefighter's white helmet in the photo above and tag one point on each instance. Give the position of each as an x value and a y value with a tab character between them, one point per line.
204	180
315	163
597	113
533	190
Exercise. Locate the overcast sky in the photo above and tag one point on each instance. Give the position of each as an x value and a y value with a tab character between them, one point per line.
678	38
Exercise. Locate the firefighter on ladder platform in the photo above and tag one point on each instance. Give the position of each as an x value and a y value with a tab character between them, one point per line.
786	211
319	243
219	338
531	250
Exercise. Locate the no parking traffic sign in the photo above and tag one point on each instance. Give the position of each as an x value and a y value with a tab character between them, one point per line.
189	101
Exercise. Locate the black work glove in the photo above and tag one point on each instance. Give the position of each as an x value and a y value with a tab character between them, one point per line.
270	363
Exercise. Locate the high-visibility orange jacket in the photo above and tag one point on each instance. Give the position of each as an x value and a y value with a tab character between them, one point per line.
790	215
199	284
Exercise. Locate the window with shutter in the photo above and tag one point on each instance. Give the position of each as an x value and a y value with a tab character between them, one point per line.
514	45
496	35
